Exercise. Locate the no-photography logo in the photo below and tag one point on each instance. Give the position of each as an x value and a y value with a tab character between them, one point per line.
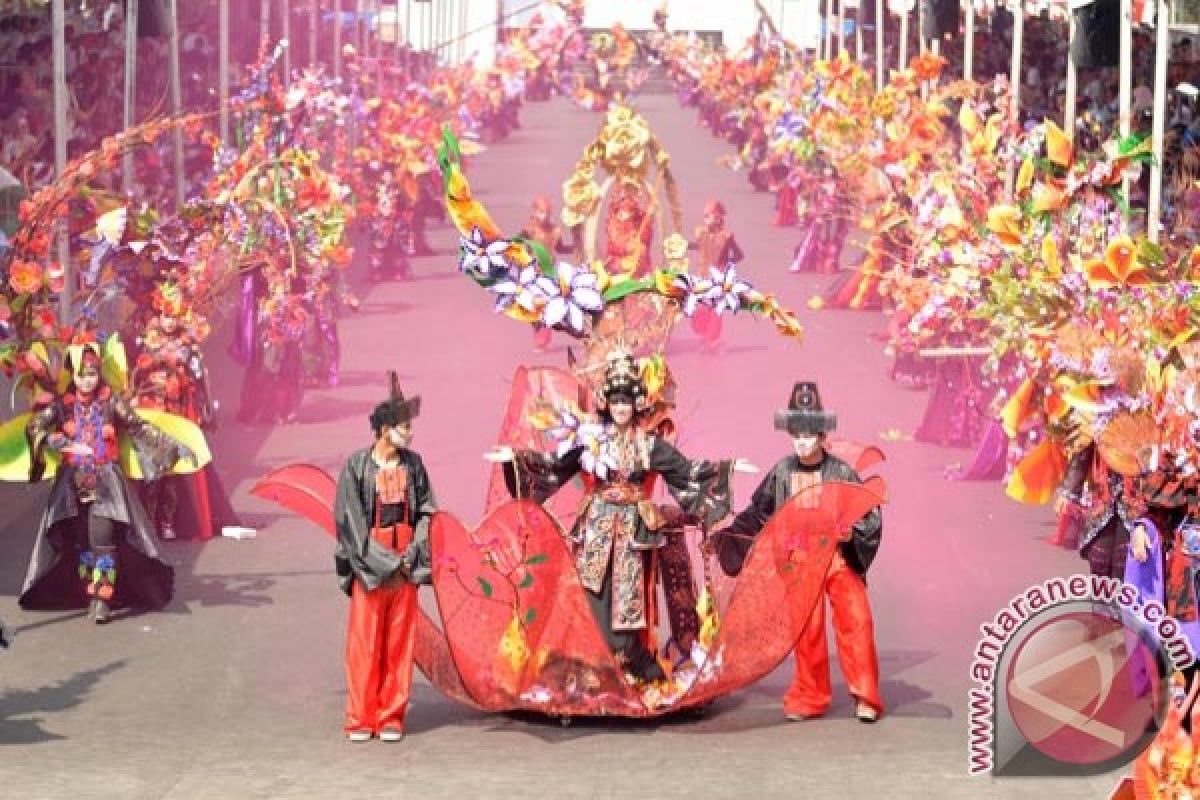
1073	679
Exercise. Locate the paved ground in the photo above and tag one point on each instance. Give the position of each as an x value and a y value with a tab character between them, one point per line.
236	690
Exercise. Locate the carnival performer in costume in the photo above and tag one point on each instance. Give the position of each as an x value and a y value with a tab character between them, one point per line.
619	527
1109	508
629	233
278	320
821	248
94	527
382	510
845	583
542	229
169	375
715	243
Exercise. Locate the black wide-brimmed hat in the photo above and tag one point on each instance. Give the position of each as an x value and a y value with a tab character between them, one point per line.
804	413
407	408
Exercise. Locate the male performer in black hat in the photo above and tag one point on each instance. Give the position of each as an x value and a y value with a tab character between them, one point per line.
810	693
382	512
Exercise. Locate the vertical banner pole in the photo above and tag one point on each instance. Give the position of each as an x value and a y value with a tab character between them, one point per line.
59	55
1162	48
130	116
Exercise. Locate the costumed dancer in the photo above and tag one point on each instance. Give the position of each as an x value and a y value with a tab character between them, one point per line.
274	323
629	232
715	243
618	529
718	248
821	248
541	228
94	525
1164	554
382	512
169	375
328	299
810	694
1108	504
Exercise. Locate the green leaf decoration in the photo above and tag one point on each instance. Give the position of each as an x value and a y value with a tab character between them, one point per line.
538	558
485	586
1130	143
1151	252
618	291
449	154
530	616
526	582
544	258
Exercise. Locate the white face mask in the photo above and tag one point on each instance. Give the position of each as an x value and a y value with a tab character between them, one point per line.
399	437
806	444
87	381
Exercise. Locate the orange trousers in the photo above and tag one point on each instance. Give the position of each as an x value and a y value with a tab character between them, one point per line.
854	635
379	656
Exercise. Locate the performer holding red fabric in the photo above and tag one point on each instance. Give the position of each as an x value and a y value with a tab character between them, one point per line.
382	512
810	693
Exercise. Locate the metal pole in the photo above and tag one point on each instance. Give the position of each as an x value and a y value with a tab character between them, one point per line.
903	59
396	22
969	43
1125	95
59	45
1072	79
460	34
920	27
429	34
337	38
841	33
264	25
314	10
879	18
285	17
1162	46
130	116
828	54
408	39
858	31
1015	77
176	101
223	70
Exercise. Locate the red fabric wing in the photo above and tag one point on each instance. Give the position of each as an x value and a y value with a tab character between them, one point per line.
780	584
535	388
517	620
861	457
304	489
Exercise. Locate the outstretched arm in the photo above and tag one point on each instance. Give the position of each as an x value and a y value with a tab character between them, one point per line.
528	473
702	488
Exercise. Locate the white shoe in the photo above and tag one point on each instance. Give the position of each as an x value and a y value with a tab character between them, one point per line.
359	736
865	713
391	735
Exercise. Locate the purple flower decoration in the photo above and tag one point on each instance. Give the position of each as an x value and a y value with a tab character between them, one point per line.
574	292
598	457
524	291
727	290
693	289
566	432
486	259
